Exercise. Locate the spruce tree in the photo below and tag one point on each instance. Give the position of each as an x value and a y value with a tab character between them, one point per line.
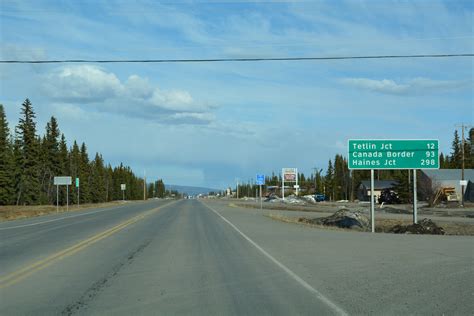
84	175
50	160
98	185
6	161
456	154
329	181
63	170
467	151
28	191
74	164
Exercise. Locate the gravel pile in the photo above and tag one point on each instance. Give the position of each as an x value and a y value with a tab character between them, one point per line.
425	226
343	218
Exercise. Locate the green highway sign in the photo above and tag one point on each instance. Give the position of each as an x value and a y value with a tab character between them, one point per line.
393	154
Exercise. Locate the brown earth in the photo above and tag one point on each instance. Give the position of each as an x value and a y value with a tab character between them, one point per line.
385	225
12	212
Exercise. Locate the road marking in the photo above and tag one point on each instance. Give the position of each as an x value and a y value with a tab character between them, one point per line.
338	310
18	275
64	217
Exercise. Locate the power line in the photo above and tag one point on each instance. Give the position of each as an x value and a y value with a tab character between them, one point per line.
257	59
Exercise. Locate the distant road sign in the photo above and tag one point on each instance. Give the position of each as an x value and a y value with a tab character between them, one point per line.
62	180
260	179
77	182
289	174
393	154
122	187
463	182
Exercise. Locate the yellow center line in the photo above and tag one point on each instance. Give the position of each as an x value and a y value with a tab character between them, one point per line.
20	274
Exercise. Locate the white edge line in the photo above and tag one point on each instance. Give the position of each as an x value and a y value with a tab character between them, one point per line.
61	218
298	279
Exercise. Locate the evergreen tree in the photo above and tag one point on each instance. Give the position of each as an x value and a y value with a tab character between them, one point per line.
470	150
160	188
329	181
98	184
29	185
50	164
74	165
6	161
403	187
319	181
442	161
456	154
84	175
63	169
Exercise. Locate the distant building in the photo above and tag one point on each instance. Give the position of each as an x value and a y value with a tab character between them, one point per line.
435	180
363	192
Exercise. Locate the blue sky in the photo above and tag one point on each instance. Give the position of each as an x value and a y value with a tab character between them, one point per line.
212	123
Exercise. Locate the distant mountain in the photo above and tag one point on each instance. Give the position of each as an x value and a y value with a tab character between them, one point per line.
190	190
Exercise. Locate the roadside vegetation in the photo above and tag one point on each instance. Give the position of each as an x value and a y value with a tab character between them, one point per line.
29	162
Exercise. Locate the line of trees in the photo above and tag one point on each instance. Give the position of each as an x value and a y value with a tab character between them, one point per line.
340	183
157	189
29	162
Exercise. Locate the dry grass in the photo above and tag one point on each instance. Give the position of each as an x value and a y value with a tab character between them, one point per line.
12	212
384	225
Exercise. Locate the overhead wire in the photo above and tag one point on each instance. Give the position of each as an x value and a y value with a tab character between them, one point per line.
208	60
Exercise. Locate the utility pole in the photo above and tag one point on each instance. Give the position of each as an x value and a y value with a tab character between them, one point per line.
462	161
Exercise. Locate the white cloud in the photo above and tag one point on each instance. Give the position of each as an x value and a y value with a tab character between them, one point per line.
408	87
95	86
83	83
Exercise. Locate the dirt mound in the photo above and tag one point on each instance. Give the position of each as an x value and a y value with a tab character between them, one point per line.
425	226
343	218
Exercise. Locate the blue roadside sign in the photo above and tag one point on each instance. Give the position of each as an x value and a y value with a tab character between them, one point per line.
260	179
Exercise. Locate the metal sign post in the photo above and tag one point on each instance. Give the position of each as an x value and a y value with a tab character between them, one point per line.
260	181
288	175
77	186
415	198
372	201
283	187
67	198
123	187
62	181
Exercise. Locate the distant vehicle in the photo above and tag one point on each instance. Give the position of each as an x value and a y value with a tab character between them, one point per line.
320	197
388	196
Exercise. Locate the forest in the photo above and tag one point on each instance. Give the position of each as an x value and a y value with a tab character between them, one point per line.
29	162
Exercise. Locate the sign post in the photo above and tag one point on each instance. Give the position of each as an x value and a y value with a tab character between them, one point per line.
260	181
62	181
77	186
288	175
372	202
123	187
410	154
415	198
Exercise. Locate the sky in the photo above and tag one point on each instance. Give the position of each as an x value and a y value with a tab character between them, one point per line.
211	124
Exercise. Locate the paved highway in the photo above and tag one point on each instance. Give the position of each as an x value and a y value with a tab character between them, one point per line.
207	258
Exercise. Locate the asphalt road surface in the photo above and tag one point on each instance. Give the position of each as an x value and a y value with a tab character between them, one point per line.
208	258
